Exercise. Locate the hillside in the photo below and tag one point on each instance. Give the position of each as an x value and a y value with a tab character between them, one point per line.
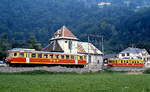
122	23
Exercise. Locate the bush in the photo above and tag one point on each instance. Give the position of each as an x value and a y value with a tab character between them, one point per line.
147	71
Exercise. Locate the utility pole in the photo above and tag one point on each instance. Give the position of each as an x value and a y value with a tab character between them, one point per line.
102	44
88	50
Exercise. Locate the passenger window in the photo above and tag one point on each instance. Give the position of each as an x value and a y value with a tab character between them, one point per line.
54	56
39	55
45	56
21	54
62	56
33	55
67	57
81	58
78	57
57	56
72	57
51	56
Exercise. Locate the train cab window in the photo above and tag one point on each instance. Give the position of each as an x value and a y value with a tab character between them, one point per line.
10	54
67	56
45	56
39	55
33	55
21	54
15	54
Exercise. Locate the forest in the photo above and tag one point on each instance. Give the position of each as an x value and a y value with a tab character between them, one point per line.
31	23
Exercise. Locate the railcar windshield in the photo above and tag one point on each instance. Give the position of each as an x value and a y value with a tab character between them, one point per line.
12	54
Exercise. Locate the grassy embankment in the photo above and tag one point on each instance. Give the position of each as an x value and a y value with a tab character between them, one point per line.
73	82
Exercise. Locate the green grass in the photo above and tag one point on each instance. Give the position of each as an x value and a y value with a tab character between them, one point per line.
73	82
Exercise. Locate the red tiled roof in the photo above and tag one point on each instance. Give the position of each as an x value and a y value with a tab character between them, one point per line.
64	32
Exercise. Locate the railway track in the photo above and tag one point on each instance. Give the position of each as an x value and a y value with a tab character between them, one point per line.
45	68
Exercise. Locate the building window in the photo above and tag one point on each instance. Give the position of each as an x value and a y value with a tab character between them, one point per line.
65	41
128	54
98	62
123	54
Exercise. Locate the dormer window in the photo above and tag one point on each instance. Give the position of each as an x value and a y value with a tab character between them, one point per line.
128	54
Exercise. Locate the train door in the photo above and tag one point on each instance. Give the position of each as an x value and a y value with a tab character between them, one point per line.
76	59
28	58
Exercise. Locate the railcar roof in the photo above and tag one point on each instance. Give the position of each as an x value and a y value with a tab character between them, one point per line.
34	51
123	59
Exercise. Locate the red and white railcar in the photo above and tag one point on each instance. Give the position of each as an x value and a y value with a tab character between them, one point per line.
30	56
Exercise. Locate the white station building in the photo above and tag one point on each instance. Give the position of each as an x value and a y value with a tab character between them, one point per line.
135	53
65	42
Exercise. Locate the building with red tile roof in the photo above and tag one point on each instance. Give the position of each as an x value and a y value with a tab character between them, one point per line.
66	42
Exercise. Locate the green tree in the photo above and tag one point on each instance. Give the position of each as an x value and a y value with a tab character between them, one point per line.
4	45
33	44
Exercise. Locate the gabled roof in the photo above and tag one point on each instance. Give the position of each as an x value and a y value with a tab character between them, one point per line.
85	48
65	33
53	47
132	50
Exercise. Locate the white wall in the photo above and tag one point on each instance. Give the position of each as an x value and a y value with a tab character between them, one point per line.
142	55
96	59
65	46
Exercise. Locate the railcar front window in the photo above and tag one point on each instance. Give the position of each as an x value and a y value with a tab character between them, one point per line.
10	54
15	54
